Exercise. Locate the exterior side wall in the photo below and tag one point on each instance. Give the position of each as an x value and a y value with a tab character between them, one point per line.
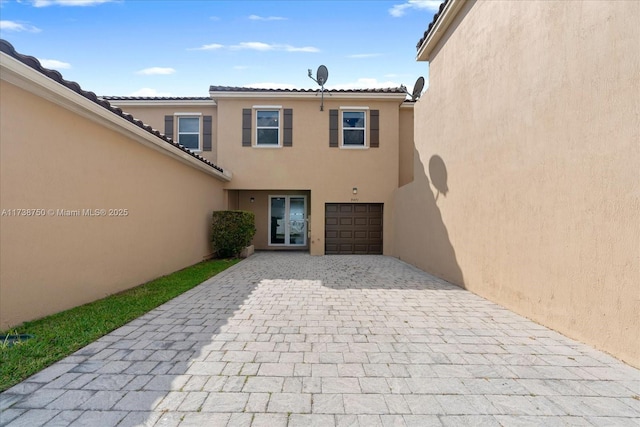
526	187
406	147
310	164
52	158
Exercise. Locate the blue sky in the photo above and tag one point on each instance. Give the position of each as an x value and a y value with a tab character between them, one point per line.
180	48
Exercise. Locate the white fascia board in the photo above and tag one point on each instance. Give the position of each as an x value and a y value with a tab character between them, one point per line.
25	77
328	95
437	31
161	102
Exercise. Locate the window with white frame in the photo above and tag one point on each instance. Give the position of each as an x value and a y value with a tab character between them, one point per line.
189	132
268	128
353	128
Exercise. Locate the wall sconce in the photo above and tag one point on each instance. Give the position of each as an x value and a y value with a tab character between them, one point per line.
252	199
355	190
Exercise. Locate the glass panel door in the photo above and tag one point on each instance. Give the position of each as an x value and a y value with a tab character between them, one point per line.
297	221
276	220
287	220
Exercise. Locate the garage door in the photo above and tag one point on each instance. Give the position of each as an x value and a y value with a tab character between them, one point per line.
353	228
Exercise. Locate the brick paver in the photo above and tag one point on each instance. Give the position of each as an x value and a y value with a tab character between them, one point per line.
286	339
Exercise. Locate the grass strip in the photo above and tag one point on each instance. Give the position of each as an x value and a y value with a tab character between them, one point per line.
61	334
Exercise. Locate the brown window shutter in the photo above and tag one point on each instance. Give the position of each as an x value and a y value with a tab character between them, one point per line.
333	128
168	126
246	127
287	140
206	133
374	117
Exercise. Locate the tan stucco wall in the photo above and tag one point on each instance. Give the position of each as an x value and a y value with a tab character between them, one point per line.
310	164
51	158
533	114
153	115
406	146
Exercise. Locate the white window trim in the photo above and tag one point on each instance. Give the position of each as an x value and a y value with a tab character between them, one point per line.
364	110
179	116
277	108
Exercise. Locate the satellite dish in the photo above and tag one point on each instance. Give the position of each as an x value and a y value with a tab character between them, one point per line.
417	89
321	78
322	75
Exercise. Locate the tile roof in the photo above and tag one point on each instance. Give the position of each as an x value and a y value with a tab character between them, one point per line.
433	22
250	89
156	98
33	63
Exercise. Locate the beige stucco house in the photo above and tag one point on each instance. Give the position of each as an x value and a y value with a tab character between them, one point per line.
516	175
319	175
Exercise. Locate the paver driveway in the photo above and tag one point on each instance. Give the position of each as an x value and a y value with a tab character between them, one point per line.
289	339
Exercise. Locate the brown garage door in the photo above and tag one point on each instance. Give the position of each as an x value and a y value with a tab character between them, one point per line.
353	228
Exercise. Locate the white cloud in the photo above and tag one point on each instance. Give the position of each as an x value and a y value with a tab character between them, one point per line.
364	55
365	83
45	3
264	47
310	49
146	91
399	10
266	18
54	64
271	85
254	46
153	71
17	26
212	46
240	67
259	46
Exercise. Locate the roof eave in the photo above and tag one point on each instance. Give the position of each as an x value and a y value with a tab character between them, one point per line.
160	102
449	12
25	77
388	96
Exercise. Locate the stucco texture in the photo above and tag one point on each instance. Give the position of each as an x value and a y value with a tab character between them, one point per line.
54	159
526	182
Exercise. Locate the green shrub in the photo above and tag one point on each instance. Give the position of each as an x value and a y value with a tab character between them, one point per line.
232	231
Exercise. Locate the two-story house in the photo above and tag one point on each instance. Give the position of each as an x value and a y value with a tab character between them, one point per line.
319	175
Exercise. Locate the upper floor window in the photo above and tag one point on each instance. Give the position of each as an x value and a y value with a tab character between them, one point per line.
189	132
268	128
353	128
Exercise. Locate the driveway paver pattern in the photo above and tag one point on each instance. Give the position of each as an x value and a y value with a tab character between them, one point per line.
287	339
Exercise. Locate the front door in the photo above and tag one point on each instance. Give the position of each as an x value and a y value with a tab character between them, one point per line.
287	220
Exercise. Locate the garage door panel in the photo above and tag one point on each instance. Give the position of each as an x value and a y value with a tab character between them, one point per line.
361	221
353	228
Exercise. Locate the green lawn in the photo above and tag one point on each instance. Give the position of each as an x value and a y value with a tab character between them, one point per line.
61	334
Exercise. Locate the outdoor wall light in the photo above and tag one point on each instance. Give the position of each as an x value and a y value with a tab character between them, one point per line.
252	199
355	190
